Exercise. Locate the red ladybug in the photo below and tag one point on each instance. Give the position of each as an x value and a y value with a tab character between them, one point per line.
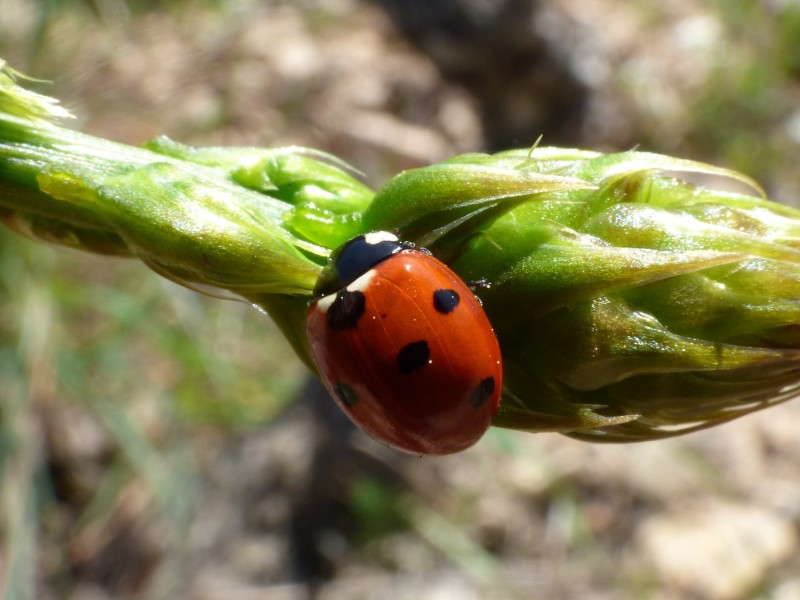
404	346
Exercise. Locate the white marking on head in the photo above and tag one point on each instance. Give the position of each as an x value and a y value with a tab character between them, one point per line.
324	303
360	284
376	237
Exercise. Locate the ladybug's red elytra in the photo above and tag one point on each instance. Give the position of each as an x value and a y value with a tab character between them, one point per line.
404	346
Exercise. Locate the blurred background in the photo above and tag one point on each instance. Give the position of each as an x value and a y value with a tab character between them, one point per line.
155	443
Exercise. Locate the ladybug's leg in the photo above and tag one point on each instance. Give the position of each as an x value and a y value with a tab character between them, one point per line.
479	284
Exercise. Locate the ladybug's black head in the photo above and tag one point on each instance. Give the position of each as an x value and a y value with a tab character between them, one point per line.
355	257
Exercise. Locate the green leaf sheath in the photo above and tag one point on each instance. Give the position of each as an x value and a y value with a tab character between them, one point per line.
629	303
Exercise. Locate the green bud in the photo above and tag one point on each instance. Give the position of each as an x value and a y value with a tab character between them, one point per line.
327	200
629	304
639	309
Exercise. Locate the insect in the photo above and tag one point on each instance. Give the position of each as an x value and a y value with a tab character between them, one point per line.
404	346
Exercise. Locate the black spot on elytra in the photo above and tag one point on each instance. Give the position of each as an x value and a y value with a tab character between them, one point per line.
345	311
413	356
445	301
345	394
482	393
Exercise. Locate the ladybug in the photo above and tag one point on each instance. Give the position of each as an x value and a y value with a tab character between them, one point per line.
404	346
